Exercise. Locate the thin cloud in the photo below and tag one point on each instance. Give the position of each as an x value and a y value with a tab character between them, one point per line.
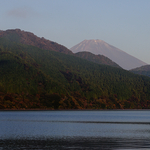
20	12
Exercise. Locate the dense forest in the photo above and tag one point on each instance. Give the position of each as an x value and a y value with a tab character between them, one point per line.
35	78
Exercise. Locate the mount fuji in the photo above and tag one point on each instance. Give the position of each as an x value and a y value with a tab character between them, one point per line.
120	57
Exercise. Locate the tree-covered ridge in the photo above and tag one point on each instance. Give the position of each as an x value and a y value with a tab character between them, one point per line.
31	77
29	38
144	70
99	59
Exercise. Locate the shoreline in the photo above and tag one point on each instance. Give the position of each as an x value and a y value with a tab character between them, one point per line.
74	109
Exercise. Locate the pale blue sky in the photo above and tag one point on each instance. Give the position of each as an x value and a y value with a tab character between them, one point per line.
124	24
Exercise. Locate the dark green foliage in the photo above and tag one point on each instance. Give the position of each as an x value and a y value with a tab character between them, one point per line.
36	78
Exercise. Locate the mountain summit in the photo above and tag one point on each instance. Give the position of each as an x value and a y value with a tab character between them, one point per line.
123	59
28	38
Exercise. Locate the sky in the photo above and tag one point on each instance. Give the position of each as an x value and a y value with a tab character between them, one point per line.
124	24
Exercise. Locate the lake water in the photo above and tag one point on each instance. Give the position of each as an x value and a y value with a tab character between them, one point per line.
75	130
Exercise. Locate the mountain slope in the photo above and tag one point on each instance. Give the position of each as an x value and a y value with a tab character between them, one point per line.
29	38
123	59
31	77
99	59
144	70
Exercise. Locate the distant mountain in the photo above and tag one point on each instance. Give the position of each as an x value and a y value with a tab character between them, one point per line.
144	70
120	57
99	59
28	38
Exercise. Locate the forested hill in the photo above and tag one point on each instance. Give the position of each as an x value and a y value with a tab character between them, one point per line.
144	70
99	59
28	38
34	78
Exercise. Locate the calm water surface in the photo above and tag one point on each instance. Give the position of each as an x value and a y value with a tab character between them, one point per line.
81	130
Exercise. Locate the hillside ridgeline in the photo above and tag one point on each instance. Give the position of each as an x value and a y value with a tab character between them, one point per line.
144	70
99	59
34	78
28	38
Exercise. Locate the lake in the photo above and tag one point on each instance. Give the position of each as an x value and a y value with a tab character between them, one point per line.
75	130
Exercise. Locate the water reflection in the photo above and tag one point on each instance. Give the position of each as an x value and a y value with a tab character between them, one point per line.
76	143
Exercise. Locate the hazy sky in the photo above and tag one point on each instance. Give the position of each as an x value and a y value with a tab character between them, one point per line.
124	24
